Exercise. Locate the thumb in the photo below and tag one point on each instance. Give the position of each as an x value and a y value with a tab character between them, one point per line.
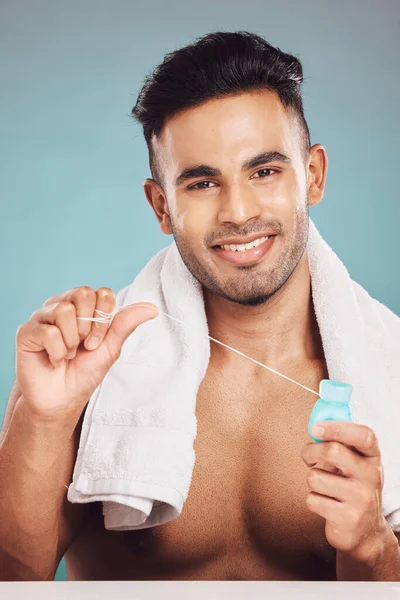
125	322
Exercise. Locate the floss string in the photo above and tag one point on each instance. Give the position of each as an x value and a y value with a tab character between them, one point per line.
108	317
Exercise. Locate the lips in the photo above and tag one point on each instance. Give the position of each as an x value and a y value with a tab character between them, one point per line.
245	240
251	256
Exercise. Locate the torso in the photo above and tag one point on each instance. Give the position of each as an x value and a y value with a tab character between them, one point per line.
245	516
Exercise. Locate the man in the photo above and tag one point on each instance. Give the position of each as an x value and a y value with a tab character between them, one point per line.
233	176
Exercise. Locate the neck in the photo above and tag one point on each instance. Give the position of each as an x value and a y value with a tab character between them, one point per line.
282	329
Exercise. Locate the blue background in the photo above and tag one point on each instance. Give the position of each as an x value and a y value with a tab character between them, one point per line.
72	161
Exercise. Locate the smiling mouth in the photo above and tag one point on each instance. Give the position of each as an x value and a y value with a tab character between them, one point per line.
246	254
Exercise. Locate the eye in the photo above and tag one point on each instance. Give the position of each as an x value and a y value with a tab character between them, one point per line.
202	185
196	186
263	171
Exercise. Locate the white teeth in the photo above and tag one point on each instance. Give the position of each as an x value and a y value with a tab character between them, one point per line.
244	247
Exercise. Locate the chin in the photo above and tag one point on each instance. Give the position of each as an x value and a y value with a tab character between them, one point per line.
255	301
249	300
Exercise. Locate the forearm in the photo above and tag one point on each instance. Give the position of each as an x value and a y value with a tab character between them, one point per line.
380	563
31	496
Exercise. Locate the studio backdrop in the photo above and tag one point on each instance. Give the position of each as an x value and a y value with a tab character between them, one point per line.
72	161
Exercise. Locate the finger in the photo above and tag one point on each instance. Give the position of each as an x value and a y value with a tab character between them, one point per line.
334	486
62	315
360	437
325	507
124	323
36	337
334	454
105	301
330	469
84	299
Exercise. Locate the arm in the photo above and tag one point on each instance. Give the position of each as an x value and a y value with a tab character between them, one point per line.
37	523
57	369
12	401
380	563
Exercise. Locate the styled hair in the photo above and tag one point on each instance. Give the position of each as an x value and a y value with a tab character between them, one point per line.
217	65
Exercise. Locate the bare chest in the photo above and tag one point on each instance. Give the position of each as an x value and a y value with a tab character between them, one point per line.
245	516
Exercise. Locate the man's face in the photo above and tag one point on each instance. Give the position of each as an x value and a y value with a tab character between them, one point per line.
225	198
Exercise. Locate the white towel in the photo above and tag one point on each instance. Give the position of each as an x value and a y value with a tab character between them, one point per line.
136	451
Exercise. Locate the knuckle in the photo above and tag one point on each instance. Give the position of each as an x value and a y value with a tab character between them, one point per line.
64	308
51	333
333	450
105	293
83	293
21	332
48	301
312	477
370	437
34	315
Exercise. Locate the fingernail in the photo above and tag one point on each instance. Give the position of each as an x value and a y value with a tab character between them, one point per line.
71	354
61	363
318	431
91	343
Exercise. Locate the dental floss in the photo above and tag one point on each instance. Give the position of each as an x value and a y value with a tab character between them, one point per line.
332	405
333	402
108	317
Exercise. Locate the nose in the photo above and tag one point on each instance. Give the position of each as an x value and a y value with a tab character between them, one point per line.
238	205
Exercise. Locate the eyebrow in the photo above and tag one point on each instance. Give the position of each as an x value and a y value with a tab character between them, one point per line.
206	171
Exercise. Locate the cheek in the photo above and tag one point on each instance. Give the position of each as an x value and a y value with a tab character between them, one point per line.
280	198
289	194
180	213
194	218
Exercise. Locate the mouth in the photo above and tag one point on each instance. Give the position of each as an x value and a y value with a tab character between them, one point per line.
245	254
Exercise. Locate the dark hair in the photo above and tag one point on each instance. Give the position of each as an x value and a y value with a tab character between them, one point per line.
216	65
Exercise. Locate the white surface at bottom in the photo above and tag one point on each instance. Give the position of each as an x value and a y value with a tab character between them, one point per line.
198	590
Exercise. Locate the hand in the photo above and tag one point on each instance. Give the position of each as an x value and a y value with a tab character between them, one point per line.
61	359
347	490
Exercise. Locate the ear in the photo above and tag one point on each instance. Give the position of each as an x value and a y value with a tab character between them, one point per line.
156	199
317	168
